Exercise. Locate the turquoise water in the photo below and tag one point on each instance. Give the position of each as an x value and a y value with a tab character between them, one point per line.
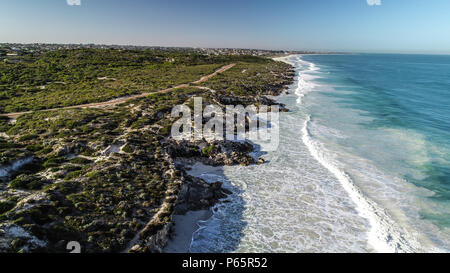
397	117
409	93
363	163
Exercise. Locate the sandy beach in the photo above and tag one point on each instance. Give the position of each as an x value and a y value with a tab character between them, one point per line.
186	225
184	228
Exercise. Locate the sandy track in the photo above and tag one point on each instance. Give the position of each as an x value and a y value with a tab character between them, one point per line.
124	99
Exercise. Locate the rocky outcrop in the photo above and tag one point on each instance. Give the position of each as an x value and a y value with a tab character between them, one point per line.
215	153
196	194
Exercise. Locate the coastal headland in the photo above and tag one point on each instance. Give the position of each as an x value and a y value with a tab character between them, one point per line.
88	157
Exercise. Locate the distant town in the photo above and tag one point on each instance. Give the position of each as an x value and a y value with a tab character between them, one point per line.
10	51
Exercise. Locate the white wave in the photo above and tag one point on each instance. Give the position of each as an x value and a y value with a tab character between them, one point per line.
304	78
316	208
290	204
384	235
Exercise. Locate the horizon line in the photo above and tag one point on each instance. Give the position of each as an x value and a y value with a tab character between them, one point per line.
323	51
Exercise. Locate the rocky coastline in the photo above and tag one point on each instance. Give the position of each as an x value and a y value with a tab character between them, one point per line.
195	194
112	179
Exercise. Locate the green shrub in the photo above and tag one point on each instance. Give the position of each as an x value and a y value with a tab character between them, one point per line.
27	182
46	150
53	162
27	137
206	151
34	147
73	175
6	206
80	160
127	149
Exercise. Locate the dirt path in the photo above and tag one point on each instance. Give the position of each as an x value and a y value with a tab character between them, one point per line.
124	99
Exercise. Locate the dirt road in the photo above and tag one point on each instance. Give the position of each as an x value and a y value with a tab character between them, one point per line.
124	99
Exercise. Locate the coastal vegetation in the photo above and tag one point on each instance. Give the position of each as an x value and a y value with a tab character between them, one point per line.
72	77
107	177
250	78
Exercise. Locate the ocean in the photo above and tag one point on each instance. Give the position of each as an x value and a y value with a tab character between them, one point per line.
363	163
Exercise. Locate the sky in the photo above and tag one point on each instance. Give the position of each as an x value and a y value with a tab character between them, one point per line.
398	26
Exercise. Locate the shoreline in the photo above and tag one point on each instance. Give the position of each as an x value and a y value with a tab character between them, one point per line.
184	227
196	169
384	235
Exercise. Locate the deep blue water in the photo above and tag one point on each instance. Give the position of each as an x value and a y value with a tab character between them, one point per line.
406	94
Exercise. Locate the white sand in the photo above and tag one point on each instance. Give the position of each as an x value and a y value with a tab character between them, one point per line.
185	226
208	173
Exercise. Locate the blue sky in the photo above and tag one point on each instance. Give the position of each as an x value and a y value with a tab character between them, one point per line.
420	26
